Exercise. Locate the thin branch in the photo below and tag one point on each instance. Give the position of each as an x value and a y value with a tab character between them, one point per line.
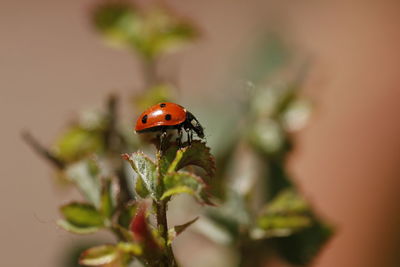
42	151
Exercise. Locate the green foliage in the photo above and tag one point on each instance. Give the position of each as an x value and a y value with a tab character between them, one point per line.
163	180
108	198
146	169
285	214
198	154
81	218
100	255
258	214
79	142
85	174
183	182
151	32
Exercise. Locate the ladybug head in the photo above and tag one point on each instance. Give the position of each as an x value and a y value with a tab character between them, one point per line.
195	125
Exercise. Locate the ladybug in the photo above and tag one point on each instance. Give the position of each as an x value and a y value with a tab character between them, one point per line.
167	115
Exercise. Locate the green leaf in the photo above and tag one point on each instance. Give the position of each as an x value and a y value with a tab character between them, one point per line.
197	154
67	226
127	214
176	230
82	215
77	143
287	213
141	189
184	182
99	255
108	198
150	32
85	174
131	248
164	32
118	22
147	172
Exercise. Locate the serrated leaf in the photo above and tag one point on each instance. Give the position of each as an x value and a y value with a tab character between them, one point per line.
197	154
82	215
184	182
176	230
85	175
146	170
99	255
81	230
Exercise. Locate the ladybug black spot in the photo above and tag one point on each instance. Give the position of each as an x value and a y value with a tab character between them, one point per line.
168	117
162	105
144	119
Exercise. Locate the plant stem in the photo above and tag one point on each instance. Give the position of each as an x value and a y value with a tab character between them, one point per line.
42	151
162	223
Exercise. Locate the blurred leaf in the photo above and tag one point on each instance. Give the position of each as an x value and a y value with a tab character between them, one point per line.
118	22
131	248
77	229
153	95
141	231
288	201
108	198
185	182
77	143
267	135
231	215
296	115
127	214
100	255
302	247
85	174
151	32
176	230
146	170
82	215
287	212
164	32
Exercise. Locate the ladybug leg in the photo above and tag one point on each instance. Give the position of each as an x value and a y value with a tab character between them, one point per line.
189	140
179	139
162	137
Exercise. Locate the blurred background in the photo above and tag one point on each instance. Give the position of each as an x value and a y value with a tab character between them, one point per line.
346	161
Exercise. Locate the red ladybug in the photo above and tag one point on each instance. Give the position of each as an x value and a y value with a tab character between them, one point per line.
167	115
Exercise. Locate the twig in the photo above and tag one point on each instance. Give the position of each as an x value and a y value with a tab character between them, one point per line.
162	222
42	151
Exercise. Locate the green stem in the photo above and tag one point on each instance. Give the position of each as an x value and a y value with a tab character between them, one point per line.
162	223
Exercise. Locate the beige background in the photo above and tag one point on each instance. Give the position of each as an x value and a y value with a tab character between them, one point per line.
52	64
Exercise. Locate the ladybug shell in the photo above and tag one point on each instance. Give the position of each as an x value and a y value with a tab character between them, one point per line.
162	114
